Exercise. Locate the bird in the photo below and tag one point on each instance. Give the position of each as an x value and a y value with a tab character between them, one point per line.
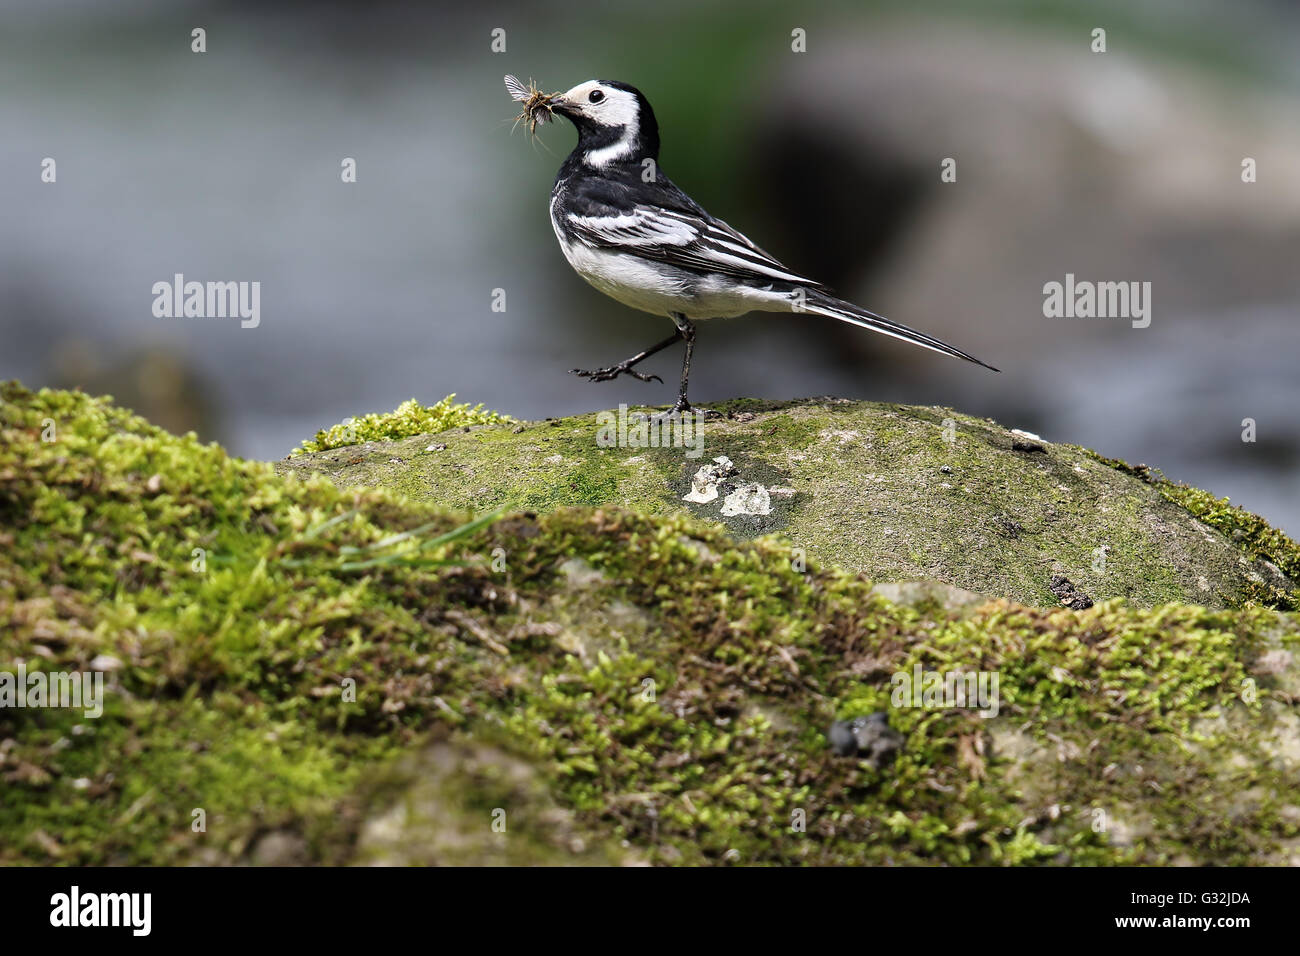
630	232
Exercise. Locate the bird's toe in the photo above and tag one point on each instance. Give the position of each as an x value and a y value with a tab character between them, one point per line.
613	372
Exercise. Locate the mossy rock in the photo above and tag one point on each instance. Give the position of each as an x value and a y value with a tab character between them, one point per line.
352	677
893	492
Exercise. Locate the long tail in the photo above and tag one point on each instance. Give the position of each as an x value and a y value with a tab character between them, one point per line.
823	304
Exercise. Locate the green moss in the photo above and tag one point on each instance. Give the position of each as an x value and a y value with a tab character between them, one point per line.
615	683
1254	536
786	433
409	418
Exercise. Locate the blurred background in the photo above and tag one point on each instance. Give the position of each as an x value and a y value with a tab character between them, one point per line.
1123	166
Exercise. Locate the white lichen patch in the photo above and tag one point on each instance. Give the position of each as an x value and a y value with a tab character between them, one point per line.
722	478
579	574
704	486
843	436
748	499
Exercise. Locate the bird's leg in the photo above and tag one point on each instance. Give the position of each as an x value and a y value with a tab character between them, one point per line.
686	329
625	367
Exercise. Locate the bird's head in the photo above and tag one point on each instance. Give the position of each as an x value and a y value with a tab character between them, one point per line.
615	122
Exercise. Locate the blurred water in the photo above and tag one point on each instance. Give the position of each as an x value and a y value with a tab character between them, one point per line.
1180	404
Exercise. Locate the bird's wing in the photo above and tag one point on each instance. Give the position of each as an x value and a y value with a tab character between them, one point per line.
685	239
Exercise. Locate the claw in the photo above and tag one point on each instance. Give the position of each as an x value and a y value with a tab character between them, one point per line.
613	372
681	407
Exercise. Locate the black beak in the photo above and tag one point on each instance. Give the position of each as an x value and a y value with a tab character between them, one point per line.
560	106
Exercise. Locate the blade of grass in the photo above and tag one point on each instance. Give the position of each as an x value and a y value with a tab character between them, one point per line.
394	560
465	529
325	526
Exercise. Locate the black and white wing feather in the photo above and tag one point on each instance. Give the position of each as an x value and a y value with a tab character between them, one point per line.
684	239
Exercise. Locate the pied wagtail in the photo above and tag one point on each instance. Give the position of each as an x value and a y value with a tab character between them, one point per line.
631	233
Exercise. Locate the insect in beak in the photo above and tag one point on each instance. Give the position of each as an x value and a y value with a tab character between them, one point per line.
538	106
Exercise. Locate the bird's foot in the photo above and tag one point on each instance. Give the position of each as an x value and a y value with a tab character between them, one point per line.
613	372
682	407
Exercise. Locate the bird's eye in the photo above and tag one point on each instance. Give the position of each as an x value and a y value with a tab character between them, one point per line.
596	96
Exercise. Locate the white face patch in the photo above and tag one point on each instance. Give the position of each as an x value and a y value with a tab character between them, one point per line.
615	108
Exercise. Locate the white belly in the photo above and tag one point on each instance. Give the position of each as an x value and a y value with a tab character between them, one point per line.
662	289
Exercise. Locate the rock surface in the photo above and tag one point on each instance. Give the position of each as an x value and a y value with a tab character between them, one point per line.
895	492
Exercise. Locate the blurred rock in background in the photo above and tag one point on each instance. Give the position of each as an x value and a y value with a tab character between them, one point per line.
152	381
